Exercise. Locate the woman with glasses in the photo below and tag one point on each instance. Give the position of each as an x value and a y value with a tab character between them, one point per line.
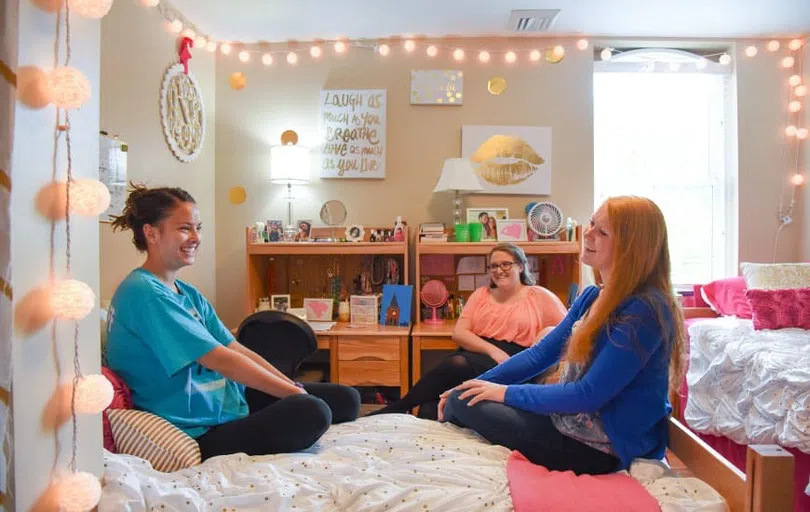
498	321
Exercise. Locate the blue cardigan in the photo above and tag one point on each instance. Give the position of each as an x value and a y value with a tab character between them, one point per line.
626	382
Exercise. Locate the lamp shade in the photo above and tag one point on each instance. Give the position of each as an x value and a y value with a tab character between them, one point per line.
289	165
458	175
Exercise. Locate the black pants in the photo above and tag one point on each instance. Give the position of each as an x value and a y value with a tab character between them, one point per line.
454	369
283	425
533	435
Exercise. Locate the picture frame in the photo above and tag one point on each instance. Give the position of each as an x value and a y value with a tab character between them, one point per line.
511	230
397	300
280	302
363	309
355	233
492	214
275	230
303	230
318	310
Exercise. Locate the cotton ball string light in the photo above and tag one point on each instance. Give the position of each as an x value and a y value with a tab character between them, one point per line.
483	56
458	54
292	58
432	51
794	80
340	47
200	42
535	55
176	26
790	131
606	54
225	48
93	394
773	45
797	180
800	91
70	88
244	56
211	46
582	44
751	51
89	197
794	106
409	45
788	62
94	9
315	52
795	44
77	492
510	57
802	133
267	59
384	50
72	299
725	59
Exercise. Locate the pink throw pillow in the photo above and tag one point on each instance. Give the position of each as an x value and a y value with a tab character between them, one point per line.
780	309
727	297
536	489
122	399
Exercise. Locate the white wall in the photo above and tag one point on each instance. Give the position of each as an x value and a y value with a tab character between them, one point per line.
136	50
36	360
804	193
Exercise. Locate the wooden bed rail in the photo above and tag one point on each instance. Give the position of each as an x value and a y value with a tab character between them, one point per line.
766	486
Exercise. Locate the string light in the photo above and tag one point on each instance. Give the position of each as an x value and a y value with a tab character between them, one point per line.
794	80
70	87
77	492
93	394
510	57
751	51
267	59
802	133
244	56
72	299
790	131
177	26
89	197
458	54
558	51
483	56
200	42
795	44
606	54
535	55
93	9
773	45
800	91
409	45
225	48
788	62
582	44
797	180
211	46
340	47
384	50
315	52
292	58
794	106
432	51
189	33
725	59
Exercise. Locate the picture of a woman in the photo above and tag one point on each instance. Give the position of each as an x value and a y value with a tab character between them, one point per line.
304	228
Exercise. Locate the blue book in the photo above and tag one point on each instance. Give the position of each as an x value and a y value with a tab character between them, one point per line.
396	305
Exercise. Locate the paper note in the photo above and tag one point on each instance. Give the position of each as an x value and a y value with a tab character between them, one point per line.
481	280
466	283
471	265
321	326
437	264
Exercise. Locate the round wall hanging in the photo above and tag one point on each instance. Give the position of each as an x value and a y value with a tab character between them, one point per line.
182	113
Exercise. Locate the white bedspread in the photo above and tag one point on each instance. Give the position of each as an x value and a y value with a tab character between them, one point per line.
750	386
380	463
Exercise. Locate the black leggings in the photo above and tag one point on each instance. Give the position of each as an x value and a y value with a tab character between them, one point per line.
533	435
454	369
283	425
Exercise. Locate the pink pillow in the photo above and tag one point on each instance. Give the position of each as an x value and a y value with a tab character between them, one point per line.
122	399
780	309
727	297
536	489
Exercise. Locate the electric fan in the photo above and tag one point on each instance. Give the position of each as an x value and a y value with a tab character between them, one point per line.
434	295
545	219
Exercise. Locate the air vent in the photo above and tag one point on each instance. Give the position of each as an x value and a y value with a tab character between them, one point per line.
532	20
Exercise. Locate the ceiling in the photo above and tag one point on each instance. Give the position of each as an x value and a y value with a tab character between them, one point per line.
303	20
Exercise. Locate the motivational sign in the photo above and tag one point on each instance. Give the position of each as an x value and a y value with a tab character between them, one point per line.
353	125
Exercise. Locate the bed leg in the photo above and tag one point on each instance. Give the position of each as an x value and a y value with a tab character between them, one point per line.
769	479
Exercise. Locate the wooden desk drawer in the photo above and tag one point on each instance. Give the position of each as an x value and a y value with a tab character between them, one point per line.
368	348
369	373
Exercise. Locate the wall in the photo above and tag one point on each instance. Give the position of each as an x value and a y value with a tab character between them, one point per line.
136	51
419	138
38	363
804	192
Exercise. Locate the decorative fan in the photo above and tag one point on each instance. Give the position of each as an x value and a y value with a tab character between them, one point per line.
434	295
545	219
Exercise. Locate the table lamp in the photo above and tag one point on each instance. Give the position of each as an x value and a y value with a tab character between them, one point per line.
459	176
289	165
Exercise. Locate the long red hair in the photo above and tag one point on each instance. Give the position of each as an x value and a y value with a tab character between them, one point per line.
640	265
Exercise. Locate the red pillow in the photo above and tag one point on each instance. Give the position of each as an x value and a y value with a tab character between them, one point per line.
122	399
780	309
727	297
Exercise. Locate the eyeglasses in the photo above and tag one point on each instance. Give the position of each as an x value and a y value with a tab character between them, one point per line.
506	266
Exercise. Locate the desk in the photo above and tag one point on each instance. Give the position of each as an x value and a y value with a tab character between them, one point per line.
430	337
367	355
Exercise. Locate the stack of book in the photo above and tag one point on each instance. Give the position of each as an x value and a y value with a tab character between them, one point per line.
432	232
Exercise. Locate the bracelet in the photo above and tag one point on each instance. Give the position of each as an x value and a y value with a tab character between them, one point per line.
299	385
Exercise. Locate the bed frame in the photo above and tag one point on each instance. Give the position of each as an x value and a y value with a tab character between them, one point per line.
766	485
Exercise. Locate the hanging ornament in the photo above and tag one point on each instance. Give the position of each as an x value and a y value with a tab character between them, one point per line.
72	299
89	197
185	52
93	394
93	9
77	492
70	88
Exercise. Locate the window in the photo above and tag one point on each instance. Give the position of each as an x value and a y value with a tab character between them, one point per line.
662	131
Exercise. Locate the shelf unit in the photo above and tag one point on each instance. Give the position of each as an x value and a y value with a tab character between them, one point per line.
359	355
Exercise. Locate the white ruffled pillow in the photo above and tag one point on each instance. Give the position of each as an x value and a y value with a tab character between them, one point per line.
776	276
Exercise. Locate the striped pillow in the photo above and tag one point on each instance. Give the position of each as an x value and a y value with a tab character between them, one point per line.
153	439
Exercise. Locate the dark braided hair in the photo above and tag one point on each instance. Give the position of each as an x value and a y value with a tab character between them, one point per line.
148	206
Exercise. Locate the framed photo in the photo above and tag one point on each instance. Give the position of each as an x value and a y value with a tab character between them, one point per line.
363	309
489	218
275	231
280	302
304	228
318	310
396	305
511	230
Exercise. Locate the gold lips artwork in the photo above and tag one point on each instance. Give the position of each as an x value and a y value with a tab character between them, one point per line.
506	160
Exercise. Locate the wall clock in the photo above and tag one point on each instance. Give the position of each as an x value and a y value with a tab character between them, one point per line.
182	113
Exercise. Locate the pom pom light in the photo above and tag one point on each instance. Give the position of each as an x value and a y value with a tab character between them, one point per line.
72	299
89	197
70	88
94	9
93	394
77	492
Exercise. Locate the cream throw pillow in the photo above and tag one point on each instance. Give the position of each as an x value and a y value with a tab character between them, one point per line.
776	276
153	439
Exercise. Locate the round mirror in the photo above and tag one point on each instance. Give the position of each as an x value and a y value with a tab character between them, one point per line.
333	213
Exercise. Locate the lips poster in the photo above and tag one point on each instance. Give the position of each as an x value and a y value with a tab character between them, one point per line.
353	126
509	159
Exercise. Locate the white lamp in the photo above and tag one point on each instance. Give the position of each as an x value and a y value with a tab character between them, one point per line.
289	165
459	176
